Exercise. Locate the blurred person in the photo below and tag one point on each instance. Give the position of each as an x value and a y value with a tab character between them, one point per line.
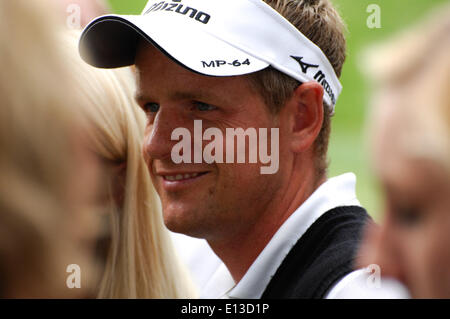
411	142
48	177
140	260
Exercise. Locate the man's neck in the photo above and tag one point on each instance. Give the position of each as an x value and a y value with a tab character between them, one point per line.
239	252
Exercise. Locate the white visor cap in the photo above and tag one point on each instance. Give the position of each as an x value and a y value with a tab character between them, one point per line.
212	37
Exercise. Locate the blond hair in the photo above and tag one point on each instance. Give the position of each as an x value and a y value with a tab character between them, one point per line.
39	213
319	22
415	66
142	262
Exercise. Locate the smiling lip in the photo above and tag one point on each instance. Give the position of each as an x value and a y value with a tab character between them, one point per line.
178	180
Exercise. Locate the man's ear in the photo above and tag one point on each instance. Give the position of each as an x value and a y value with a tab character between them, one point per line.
305	115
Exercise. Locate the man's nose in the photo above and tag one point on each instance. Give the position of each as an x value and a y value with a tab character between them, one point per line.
157	142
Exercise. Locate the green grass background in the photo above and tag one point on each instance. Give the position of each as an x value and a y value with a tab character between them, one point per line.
348	145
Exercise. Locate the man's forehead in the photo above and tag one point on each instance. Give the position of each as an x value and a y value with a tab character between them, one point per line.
150	61
152	66
145	53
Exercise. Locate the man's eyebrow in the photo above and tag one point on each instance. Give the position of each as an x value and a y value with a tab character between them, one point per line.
186	95
198	94
179	95
137	97
140	97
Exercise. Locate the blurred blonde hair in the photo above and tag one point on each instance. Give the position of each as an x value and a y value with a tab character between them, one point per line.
41	227
415	65
142	262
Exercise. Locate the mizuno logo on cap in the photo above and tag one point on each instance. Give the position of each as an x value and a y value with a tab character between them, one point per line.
319	77
304	65
175	6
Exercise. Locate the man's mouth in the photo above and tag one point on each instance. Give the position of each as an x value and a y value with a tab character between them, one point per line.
181	176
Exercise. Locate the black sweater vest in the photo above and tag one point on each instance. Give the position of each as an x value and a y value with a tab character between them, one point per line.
322	256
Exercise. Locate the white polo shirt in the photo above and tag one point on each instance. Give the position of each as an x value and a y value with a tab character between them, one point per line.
335	192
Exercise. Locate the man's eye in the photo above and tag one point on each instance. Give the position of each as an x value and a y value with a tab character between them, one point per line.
151	107
200	106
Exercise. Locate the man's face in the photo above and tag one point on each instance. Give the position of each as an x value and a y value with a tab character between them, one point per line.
211	200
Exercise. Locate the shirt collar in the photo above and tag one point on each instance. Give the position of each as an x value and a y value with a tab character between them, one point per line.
335	192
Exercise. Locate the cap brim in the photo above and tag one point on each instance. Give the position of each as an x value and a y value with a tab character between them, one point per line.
111	41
